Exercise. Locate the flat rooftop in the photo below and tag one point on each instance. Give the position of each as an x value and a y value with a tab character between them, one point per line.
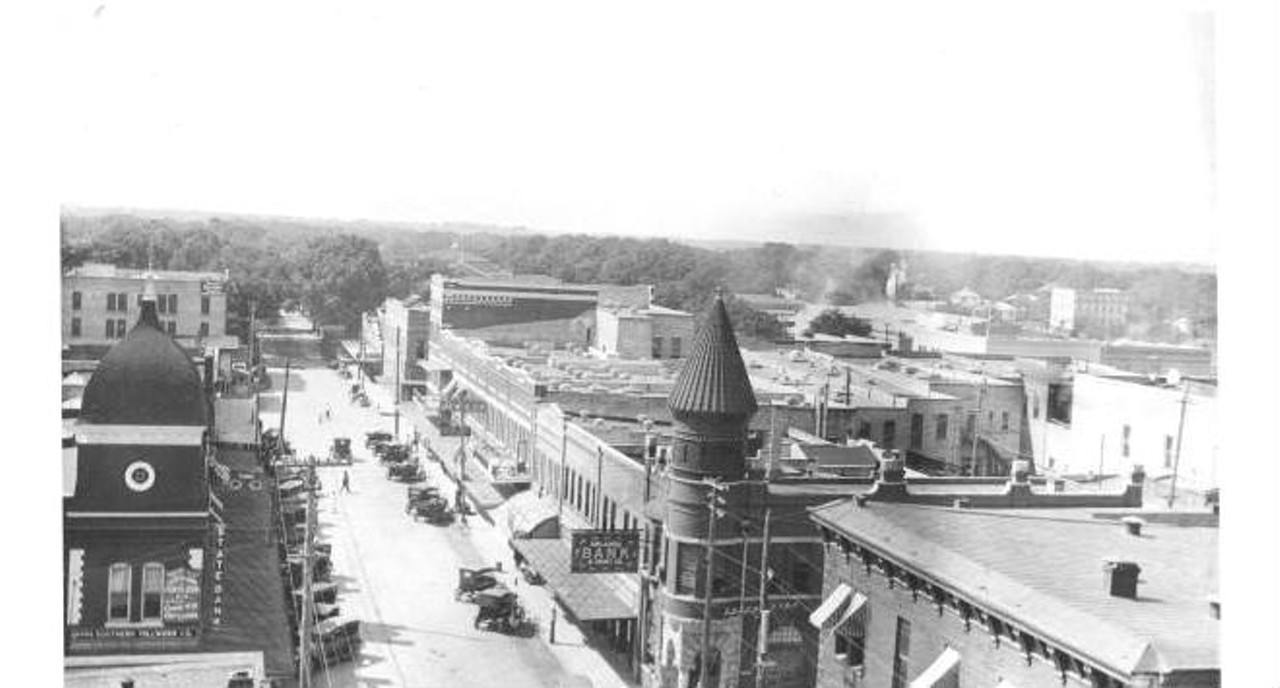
1043	571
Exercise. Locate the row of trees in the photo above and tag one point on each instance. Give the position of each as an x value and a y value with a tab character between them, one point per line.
337	271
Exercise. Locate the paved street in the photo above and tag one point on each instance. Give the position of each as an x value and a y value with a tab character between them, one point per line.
398	576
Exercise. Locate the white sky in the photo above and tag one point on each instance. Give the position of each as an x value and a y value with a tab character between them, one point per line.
993	127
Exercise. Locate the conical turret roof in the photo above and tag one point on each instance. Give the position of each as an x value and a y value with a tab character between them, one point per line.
714	380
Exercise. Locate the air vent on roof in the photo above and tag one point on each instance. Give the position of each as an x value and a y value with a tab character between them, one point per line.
1121	578
1133	524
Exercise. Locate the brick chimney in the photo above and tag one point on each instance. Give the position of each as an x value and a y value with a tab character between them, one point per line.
1133	491
1121	578
891	482
1019	488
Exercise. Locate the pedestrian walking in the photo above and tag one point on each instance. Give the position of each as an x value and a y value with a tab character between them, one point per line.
552	635
346	482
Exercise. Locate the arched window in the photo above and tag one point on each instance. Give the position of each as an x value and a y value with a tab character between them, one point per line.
152	589
119	588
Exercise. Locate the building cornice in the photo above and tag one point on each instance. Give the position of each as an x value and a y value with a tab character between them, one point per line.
153	435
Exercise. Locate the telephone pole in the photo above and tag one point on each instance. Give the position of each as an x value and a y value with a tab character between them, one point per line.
977	426
284	401
1177	452
715	502
762	639
396	395
304	628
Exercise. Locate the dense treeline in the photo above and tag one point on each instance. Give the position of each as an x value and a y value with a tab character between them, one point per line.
338	269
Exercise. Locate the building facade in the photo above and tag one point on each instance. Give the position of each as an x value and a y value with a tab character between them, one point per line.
1015	589
1100	310
100	303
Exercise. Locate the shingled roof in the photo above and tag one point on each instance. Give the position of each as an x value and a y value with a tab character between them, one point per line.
714	379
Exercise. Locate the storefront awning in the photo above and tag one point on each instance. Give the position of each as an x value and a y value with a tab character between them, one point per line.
432	365
530	516
588	596
834	602
943	667
483	493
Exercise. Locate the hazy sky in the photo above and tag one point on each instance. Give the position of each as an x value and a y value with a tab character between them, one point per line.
991	127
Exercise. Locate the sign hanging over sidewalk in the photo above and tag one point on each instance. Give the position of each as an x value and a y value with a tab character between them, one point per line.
605	551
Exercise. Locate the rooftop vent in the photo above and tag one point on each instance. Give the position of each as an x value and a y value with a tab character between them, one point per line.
1133	524
1121	578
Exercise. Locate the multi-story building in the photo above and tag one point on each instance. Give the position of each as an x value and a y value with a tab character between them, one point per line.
1015	588
1100	310
404	327
101	302
161	555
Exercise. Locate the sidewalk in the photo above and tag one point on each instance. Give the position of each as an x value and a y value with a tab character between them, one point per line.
572	647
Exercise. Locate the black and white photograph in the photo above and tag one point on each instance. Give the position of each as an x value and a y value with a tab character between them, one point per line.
584	345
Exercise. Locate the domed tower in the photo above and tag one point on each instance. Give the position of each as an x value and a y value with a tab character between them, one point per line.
137	519
711	404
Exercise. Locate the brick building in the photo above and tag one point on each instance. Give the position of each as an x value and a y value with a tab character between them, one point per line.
1015	588
101	302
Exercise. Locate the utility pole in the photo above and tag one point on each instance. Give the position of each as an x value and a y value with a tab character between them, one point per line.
714	503
642	642
304	628
360	362
1102	453
284	401
396	395
1177	452
977	426
762	639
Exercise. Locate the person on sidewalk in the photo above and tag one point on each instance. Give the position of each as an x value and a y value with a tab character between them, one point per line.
346	482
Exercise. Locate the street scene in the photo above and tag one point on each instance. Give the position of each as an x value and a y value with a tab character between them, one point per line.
427	345
398	575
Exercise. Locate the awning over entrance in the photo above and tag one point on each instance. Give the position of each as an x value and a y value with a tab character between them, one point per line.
532	517
432	365
483	493
941	673
589	596
834	602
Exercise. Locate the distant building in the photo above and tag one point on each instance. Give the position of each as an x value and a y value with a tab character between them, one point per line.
927	587
966	298
405	328
783	308
101	302
527	309
653	332
1100	310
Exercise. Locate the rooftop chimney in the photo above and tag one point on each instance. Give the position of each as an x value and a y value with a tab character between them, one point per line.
1121	578
892	468
1133	524
1021	470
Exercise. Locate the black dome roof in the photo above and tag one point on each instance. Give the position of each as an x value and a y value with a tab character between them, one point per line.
146	379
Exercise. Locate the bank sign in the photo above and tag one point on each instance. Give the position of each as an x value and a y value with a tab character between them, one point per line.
605	551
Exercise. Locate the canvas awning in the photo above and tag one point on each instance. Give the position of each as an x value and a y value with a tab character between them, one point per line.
943	667
530	516
588	596
830	606
855	605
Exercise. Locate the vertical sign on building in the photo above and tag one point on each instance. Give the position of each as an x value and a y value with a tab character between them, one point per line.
219	561
75	585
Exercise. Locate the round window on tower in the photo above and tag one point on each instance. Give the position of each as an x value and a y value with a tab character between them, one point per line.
139	476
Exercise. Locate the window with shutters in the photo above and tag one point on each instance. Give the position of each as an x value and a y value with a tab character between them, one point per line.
111	329
204	306
173	303
75	300
940	428
111	302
